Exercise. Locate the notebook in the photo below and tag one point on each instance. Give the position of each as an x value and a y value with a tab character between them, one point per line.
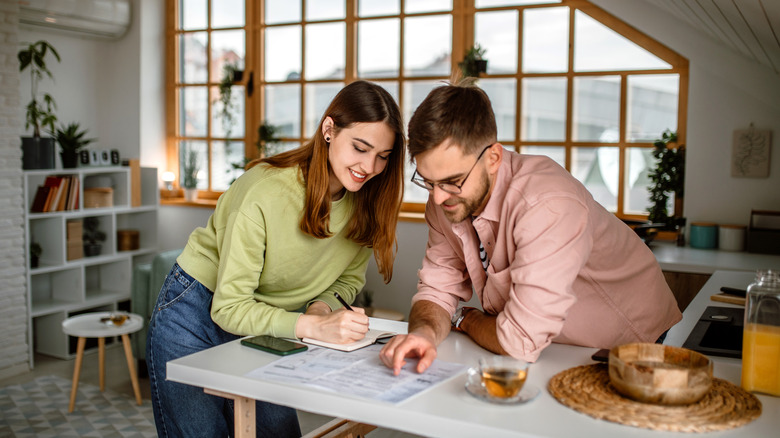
371	337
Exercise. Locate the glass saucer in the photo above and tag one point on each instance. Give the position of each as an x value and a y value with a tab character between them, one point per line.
475	388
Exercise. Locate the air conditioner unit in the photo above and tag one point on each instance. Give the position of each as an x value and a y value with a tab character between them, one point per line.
91	18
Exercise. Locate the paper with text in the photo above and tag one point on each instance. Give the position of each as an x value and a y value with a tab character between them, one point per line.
360	373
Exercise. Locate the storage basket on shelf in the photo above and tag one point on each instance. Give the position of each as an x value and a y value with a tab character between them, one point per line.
98	197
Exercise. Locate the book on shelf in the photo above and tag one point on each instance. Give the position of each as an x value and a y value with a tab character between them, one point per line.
64	191
39	201
371	338
73	198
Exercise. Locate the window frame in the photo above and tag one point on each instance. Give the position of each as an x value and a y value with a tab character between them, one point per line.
463	29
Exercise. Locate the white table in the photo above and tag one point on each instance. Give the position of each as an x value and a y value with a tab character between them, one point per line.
89	325
447	410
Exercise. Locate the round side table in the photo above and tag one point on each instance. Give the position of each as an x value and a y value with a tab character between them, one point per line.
89	325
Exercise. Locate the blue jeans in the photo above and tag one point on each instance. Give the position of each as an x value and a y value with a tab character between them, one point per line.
181	325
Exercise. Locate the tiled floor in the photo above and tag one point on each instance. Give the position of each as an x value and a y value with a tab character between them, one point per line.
118	380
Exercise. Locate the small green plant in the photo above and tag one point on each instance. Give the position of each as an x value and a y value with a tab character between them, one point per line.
227	107
474	63
189	177
364	299
668	177
71	139
35	253
39	113
35	249
267	138
92	234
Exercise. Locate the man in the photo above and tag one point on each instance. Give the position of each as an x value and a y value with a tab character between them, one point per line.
548	263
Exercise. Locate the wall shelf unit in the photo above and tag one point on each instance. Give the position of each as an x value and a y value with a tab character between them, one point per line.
66	281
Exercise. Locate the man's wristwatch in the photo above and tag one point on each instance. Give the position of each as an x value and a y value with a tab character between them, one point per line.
457	318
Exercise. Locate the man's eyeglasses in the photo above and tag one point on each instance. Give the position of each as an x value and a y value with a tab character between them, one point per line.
449	187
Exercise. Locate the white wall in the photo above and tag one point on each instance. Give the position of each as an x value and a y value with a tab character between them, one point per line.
727	92
113	88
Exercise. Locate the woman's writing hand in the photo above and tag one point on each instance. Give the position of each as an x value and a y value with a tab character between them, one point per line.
339	327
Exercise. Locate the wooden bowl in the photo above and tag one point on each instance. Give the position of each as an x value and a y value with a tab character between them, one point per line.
661	374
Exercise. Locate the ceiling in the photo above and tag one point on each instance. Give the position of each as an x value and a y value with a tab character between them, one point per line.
751	27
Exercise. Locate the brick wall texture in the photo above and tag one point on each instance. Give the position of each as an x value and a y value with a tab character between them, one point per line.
14	350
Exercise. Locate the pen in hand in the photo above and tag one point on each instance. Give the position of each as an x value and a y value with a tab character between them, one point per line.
341	300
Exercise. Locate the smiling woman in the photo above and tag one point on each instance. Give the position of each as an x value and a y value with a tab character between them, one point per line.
289	234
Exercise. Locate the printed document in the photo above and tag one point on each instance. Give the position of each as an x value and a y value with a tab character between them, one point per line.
360	373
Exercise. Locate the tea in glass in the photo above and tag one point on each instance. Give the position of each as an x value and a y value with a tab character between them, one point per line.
503	376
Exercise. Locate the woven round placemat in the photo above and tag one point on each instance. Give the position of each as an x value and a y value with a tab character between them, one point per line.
587	389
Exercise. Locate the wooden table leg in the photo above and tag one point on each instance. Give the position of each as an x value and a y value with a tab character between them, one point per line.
341	428
131	367
76	373
102	363
244	413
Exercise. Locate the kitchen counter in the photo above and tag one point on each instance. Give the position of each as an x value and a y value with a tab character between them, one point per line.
706	261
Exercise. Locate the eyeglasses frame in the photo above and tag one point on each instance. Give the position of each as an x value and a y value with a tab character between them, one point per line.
421	182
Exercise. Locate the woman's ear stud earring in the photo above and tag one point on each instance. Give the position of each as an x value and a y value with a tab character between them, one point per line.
327	139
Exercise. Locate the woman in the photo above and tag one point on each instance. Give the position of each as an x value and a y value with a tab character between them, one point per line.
287	235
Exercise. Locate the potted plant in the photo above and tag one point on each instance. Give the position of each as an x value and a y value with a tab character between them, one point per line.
35	254
189	175
37	151
227	107
365	299
668	176
267	137
71	141
92	237
474	63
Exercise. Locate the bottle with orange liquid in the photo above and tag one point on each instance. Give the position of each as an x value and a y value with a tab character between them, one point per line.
761	338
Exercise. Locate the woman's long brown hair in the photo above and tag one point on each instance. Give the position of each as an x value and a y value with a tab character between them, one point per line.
378	202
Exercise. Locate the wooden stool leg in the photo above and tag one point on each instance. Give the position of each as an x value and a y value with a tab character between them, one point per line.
131	367
102	363
76	372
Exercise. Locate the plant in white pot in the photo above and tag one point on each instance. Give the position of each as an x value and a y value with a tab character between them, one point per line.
189	175
37	151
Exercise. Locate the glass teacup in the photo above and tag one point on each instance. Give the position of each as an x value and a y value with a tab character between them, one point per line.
503	376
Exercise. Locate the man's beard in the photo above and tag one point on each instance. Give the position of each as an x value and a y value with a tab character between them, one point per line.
469	206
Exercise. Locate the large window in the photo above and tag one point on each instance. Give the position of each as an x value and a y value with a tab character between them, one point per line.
566	79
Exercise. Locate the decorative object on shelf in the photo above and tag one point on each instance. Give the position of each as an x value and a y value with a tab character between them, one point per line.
74	239
168	178
93	237
668	176
750	153
71	140
37	151
35	254
473	63
189	177
127	240
98	197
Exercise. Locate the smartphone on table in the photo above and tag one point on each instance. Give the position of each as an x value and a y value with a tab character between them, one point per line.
270	344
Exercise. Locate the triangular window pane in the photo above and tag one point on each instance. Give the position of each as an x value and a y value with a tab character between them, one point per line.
599	48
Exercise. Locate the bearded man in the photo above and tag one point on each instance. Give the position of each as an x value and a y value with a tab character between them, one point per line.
547	262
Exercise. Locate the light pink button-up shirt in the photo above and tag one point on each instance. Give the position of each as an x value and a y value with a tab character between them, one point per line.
562	268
